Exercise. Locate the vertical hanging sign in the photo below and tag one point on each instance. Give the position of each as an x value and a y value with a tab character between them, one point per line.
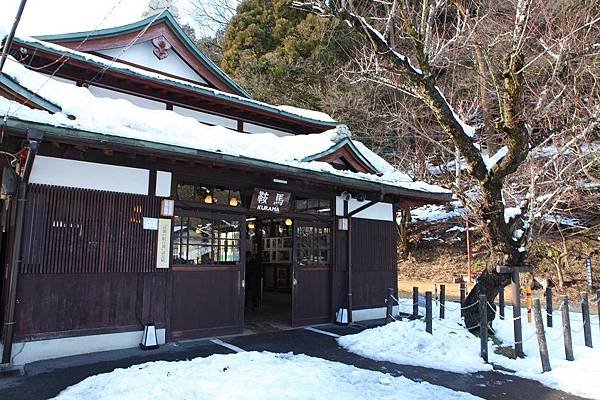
164	243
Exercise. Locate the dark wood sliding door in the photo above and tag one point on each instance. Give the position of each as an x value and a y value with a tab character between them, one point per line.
207	274
311	301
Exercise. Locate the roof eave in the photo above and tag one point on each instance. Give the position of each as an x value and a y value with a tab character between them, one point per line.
207	92
32	97
67	133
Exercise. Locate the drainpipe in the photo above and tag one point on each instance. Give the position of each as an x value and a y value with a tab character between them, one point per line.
349	252
11	35
33	139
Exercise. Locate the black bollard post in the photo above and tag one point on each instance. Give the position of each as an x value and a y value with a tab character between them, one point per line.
541	335
463	290
428	316
389	305
442	301
587	325
415	302
549	307
501	303
483	326
598	305
566	321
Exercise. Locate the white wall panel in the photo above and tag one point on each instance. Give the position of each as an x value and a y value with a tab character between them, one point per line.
253	128
136	100
143	54
207	118
378	211
88	175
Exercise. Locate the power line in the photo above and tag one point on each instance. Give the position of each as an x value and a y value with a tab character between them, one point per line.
7	114
131	43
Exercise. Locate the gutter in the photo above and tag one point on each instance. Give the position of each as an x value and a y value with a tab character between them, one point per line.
34	137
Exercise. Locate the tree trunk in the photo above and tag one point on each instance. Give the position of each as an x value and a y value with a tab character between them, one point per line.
503	252
402	230
488	283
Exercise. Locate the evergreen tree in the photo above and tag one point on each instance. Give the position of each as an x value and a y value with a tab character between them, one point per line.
269	46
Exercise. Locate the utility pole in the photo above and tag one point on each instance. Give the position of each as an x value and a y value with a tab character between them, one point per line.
11	35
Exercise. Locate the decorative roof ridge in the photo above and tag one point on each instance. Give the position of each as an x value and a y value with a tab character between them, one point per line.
342	141
165	17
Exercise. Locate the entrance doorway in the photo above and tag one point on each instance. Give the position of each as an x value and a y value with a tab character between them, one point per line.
269	271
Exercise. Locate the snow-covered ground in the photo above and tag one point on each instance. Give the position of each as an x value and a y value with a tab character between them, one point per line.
253	375
435	213
452	348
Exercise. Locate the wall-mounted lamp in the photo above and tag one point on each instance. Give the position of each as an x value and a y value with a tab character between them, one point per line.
208	199
288	222
233	201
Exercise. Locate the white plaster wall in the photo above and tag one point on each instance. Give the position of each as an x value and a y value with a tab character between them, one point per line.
372	313
378	211
136	100
88	175
253	128
143	54
163	184
63	80
206	117
26	352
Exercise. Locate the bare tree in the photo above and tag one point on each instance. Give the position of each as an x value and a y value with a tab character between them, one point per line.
212	15
521	58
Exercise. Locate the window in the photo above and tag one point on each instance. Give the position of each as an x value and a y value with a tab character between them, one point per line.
313	206
205	241
209	194
313	245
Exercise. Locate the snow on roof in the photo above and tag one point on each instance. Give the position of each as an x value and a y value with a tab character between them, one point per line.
120	118
308	115
311	114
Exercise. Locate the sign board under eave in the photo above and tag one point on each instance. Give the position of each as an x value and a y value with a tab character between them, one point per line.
164	243
270	200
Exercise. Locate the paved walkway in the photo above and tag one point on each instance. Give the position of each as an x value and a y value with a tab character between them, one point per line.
45	379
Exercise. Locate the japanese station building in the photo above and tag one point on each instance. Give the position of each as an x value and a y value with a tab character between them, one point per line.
141	185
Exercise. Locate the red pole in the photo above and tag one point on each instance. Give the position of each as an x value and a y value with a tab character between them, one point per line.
468	251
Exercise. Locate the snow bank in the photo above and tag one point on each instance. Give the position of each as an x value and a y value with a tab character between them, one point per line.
124	119
452	348
253	375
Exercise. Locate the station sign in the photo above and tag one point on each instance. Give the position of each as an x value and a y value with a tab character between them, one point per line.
268	200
